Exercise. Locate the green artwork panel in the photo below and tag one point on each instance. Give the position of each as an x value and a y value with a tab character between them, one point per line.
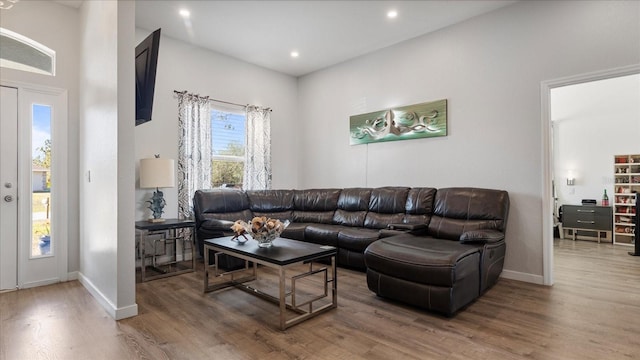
408	122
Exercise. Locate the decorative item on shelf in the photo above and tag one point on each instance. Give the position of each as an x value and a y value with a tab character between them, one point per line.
605	198
157	173
262	229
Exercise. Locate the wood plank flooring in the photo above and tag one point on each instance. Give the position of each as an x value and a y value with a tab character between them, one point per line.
592	312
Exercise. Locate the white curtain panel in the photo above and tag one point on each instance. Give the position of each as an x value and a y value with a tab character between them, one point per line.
194	150
257	166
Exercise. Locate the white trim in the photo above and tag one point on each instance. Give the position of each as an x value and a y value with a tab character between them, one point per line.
520	276
43	282
547	156
116	313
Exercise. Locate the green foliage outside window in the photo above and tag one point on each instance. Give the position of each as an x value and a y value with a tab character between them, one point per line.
225	171
43	160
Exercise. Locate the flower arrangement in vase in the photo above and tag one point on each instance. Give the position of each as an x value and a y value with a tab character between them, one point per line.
262	229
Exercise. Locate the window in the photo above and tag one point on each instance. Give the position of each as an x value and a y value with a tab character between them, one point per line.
21	53
228	140
41	180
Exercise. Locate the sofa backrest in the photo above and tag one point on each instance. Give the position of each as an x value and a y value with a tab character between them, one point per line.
221	204
353	204
457	210
276	204
449	212
419	207
387	205
315	205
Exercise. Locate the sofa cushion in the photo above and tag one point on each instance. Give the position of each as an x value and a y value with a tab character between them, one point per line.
354	199
423	260
315	205
317	217
349	218
457	210
381	221
316	199
420	201
323	234
295	231
217	225
357	239
270	201
386	205
352	207
213	202
388	200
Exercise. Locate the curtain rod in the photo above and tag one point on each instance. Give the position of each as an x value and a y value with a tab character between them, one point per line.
220	101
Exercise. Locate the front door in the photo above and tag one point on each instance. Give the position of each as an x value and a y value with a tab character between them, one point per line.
33	190
8	188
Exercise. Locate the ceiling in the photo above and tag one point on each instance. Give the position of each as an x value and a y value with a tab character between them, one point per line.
323	32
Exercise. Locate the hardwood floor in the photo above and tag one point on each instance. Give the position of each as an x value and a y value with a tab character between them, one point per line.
592	312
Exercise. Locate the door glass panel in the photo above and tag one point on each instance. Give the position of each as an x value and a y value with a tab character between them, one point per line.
41	241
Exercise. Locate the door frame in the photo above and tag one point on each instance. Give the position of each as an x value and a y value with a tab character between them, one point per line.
547	154
59	186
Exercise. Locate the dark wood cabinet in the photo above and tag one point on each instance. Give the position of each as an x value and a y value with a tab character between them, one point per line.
590	220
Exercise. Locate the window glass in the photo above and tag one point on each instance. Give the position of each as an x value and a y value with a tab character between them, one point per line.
228	140
41	181
21	53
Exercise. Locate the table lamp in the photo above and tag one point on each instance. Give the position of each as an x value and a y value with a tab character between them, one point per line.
157	173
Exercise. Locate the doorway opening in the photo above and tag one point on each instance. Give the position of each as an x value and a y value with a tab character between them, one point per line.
548	171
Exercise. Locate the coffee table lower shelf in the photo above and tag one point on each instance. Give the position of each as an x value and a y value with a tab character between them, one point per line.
239	279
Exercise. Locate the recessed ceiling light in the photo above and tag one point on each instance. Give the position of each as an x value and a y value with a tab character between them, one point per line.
185	13
392	14
295	54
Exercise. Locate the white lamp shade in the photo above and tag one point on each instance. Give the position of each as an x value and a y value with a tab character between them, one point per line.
157	173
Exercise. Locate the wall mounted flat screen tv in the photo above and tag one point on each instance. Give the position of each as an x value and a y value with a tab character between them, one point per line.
146	64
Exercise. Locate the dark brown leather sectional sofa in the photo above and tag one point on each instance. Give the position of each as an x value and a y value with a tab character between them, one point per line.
437	249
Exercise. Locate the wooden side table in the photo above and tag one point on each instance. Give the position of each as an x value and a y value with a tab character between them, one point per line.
167	235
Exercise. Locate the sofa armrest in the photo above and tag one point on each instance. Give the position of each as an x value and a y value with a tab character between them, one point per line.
215	224
481	237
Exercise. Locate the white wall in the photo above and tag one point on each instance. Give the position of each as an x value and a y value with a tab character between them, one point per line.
35	19
106	108
490	69
592	122
182	66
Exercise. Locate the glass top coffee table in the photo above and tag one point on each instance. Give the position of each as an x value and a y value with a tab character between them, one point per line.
285	254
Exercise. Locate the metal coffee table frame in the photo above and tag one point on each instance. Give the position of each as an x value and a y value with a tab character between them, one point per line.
330	283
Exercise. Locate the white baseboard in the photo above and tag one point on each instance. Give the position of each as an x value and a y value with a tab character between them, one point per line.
520	276
40	283
116	313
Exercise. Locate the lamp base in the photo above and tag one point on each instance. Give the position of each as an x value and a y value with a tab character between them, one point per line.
159	220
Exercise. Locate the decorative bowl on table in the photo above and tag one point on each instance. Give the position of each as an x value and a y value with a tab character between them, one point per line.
262	229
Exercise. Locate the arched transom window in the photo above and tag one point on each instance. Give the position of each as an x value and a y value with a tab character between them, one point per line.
21	53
